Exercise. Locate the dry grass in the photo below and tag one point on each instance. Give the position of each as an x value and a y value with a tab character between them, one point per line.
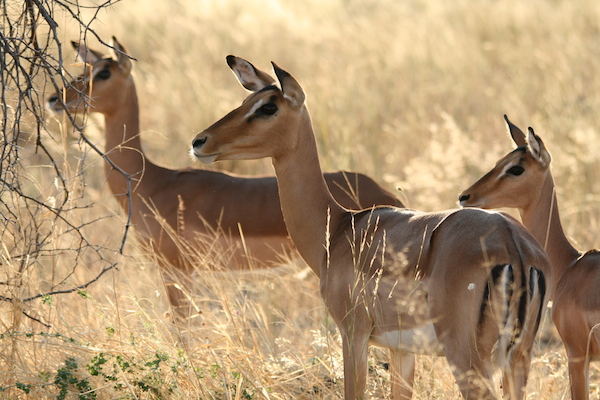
411	93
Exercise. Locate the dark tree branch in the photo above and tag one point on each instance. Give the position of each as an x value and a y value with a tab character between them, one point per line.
40	215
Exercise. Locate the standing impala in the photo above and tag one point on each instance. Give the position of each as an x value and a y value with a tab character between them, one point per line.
236	219
466	284
522	179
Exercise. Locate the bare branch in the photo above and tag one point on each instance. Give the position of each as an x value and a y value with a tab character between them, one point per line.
44	211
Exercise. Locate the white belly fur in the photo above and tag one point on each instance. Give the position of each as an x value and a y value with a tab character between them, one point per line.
421	340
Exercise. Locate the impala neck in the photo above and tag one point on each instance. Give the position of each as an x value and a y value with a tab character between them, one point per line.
308	208
123	144
543	221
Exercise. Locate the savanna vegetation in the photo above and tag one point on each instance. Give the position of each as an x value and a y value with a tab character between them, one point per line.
411	93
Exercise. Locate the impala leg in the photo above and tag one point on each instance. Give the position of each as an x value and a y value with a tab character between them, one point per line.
176	288
179	302
402	374
471	374
473	384
578	375
355	365
514	377
574	333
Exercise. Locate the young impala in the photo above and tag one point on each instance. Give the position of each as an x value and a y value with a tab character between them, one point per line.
193	203
467	284
522	179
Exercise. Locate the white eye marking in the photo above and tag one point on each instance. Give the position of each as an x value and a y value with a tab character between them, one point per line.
507	167
94	72
471	286
255	107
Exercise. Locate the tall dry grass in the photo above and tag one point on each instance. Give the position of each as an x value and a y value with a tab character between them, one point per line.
411	93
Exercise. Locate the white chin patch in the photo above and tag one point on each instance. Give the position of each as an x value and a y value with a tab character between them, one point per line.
203	158
474	205
206	159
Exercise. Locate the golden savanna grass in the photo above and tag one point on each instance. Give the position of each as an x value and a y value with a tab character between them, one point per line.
411	93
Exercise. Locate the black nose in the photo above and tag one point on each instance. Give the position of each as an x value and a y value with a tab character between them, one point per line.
464	197
199	142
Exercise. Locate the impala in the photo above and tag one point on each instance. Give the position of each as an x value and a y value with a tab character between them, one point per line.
233	217
522	179
467	284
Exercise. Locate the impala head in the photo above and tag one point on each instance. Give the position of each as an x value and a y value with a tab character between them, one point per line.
101	86
516	179
257	128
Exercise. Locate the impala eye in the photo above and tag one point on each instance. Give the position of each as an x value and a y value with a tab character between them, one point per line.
267	109
103	75
516	170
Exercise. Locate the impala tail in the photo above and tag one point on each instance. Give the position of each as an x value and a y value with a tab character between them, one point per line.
513	300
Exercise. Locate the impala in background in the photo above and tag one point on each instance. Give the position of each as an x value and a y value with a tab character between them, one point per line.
522	179
231	221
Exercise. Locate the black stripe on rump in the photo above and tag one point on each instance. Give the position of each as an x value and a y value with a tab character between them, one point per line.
541	283
523	303
492	282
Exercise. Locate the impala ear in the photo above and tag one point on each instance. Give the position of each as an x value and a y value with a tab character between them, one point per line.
537	149
121	55
248	75
291	89
86	55
517	135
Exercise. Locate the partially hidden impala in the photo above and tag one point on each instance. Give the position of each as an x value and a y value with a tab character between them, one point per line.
468	284
522	179
233	221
